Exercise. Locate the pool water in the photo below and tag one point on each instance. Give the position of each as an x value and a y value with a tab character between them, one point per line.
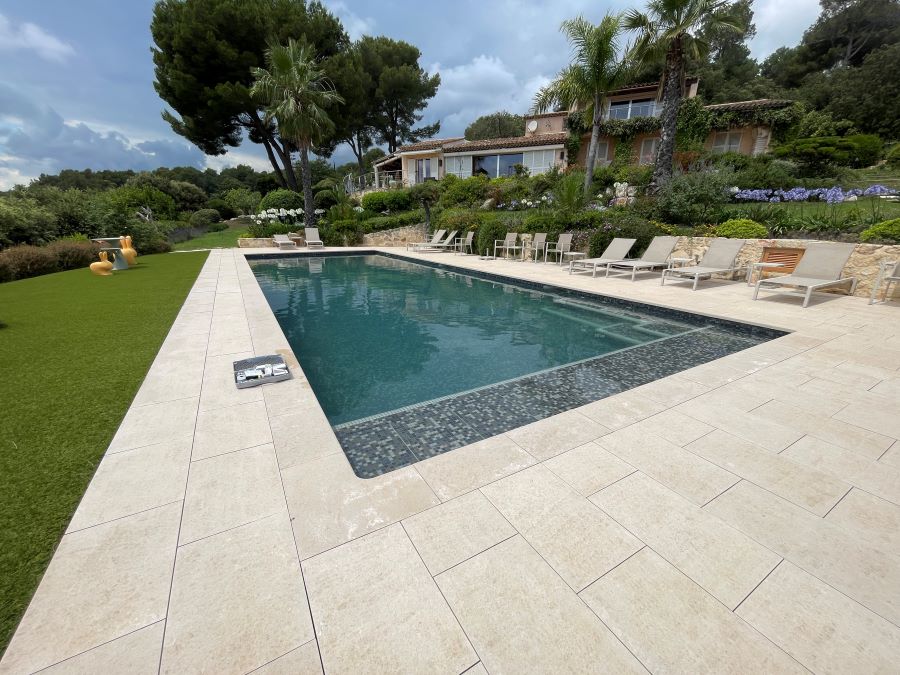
375	334
409	360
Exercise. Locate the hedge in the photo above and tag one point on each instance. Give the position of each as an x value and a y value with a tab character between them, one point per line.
887	231
742	228
281	199
388	200
22	262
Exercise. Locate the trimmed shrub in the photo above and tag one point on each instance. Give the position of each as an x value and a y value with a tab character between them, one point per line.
387	200
695	198
742	228
30	261
72	255
223	207
464	192
205	218
217	227
457	219
856	151
545	221
7	271
893	157
150	237
281	199
490	229
887	231
623	223
342	233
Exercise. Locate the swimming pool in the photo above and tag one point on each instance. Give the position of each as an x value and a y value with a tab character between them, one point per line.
409	360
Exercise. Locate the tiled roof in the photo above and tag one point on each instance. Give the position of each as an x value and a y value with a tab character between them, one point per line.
513	142
643	85
431	144
756	104
549	114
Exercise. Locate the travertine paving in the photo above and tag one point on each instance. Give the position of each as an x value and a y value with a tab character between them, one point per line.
741	516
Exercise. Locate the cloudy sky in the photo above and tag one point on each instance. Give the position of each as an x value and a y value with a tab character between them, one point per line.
76	78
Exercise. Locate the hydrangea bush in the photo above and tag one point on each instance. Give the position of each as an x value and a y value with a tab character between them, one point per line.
832	195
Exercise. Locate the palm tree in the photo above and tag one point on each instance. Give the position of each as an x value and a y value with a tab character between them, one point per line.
674	30
595	69
296	93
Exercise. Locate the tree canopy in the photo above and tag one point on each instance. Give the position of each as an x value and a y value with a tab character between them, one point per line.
501	124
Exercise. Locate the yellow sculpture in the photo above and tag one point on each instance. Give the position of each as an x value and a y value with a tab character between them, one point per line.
102	268
127	250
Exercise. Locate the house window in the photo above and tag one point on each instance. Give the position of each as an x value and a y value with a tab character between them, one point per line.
460	166
625	110
727	141
538	161
493	166
602	156
649	147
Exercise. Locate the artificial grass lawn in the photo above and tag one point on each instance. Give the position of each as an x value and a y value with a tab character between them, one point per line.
224	239
74	348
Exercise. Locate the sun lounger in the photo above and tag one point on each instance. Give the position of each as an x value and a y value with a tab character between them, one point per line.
509	243
616	251
888	273
436	237
282	241
562	246
445	245
655	257
720	258
312	238
818	269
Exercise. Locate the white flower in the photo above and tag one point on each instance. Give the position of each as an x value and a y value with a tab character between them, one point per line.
292	212
358	209
319	212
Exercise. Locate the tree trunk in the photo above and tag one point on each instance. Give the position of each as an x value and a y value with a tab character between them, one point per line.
427	215
665	155
308	206
284	152
592	149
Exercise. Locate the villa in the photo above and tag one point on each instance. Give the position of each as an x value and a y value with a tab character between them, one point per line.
543	145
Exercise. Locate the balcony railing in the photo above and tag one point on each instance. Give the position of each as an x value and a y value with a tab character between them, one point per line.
642	109
383	180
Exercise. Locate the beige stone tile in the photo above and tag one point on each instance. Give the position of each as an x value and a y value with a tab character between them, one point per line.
237	601
303	436
725	562
880	479
477	669
881	420
459	471
589	468
829	429
674	426
302	661
827	457
160	385
891	457
231	490
689	475
871	518
289	396
225	430
156	423
818	546
219	390
889	387
522	618
803	485
378	610
621	410
749	426
824	630
551	436
132	481
713	374
136	653
113	577
192	323
331	505
671	390
578	540
456	530
655	610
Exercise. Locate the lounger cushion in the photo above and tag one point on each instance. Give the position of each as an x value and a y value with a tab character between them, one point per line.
806	282
698	271
824	262
722	253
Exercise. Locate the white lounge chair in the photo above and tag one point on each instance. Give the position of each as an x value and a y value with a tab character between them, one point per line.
435	238
655	257
312	237
559	248
888	273
283	241
720	258
509	243
819	268
616	251
444	245
539	245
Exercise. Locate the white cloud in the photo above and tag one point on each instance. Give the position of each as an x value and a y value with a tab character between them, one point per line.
259	162
780	24
484	85
30	37
35	139
355	25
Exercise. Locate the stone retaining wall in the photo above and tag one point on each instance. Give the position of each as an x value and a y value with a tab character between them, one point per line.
399	236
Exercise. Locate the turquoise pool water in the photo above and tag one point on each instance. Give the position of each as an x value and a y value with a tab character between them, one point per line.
375	334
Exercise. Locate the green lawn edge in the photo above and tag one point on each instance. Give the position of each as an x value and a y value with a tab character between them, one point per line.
75	349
